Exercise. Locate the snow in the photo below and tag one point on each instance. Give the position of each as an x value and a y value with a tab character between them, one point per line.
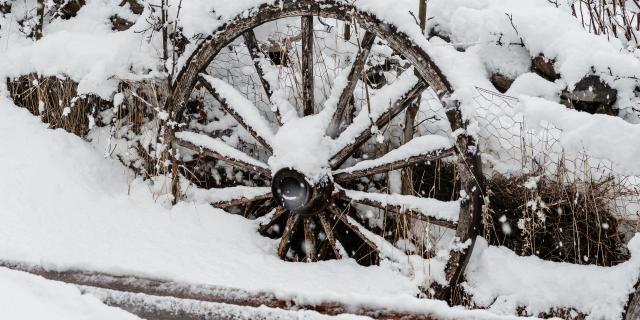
65	206
491	33
445	210
25	296
533	85
602	137
209	310
85	217
301	144
84	49
219	146
503	281
417	146
89	214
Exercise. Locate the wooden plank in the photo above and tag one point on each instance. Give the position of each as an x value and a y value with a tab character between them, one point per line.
120	285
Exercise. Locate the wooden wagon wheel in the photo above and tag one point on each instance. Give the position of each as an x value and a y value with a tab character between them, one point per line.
310	198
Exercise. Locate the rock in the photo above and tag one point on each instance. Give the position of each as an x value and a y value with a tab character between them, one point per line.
68	9
544	68
5	7
591	95
501	82
135	6
120	24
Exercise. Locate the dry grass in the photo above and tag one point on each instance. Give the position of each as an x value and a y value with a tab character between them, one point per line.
137	137
56	101
558	216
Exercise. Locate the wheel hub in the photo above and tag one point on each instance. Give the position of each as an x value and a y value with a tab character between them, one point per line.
293	191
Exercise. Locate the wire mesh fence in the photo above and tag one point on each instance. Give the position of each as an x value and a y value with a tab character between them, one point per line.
509	146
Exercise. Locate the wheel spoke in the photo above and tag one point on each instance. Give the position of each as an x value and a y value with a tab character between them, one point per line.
224	198
346	221
309	240
443	213
307	65
425	148
353	139
274	218
254	51
328	230
344	176
289	229
241	109
219	150
352	80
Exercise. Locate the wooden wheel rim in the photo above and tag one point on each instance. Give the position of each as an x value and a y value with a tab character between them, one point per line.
470	176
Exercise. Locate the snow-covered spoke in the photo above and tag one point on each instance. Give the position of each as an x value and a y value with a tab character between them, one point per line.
309	239
384	248
404	91
240	108
264	227
328	231
308	89
421	149
353	227
443	213
289	229
349	85
223	198
219	150
254	51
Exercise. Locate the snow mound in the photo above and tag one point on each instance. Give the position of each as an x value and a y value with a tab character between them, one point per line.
499	279
66	207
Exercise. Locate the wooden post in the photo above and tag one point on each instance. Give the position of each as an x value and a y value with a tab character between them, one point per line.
307	65
412	112
37	34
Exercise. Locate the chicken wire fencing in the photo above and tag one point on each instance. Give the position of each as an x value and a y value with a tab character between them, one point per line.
512	147
508	145
334	51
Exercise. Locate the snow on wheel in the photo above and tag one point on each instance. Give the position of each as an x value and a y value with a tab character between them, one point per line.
311	126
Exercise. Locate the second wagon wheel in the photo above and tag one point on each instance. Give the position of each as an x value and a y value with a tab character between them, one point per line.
313	125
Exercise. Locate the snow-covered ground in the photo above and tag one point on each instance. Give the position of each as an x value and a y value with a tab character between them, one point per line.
26	297
66	206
